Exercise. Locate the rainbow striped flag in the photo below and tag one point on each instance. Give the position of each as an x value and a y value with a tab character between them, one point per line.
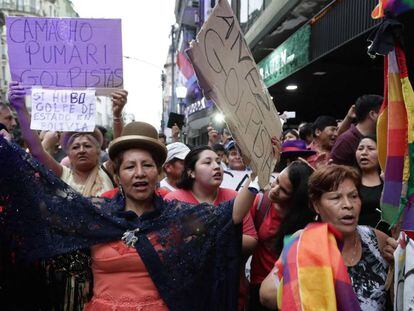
395	135
395	7
312	273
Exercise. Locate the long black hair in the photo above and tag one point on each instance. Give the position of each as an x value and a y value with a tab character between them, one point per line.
186	182
298	213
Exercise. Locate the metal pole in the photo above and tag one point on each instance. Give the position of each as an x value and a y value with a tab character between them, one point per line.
173	101
2	22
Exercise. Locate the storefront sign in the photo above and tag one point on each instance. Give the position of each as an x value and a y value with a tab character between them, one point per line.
288	57
65	52
228	75
198	106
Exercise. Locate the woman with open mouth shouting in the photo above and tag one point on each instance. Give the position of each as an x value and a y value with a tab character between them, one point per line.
200	183
147	253
351	277
371	183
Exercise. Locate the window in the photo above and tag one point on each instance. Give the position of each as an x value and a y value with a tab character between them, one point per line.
250	10
33	6
255	9
20	5
244	15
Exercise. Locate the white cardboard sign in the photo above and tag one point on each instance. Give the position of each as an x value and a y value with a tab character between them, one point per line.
227	73
63	110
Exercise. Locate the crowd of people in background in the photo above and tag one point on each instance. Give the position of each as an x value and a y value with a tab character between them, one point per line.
206	226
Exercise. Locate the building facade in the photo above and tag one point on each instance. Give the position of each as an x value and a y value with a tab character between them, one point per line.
181	93
312	55
41	8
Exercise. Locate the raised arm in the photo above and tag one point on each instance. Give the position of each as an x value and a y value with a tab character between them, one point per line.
243	202
175	133
213	135
245	198
347	121
17	99
119	99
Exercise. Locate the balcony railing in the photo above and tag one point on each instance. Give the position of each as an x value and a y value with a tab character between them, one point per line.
19	7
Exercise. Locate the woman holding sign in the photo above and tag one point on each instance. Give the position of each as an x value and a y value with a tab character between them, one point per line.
85	175
83	149
147	253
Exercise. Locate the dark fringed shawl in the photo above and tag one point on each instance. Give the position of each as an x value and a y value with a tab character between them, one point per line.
195	264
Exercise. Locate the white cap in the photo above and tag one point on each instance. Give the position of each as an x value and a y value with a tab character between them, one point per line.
176	151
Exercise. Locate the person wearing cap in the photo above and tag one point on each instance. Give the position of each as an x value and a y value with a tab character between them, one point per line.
236	173
174	165
324	136
147	253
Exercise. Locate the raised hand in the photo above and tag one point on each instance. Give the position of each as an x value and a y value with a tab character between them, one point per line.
16	95
213	135
277	147
119	99
175	133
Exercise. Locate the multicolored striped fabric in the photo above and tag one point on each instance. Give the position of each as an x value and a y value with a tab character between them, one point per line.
408	95
392	141
312	272
395	135
395	7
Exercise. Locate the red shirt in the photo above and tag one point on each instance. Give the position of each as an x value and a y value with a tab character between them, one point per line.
264	255
248	226
111	193
222	196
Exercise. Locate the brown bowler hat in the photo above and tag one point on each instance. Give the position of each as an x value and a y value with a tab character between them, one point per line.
139	135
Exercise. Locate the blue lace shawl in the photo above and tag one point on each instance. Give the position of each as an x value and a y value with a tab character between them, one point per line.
195	264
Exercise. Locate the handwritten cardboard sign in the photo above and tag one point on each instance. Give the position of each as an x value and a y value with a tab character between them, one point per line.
227	73
63	110
65	52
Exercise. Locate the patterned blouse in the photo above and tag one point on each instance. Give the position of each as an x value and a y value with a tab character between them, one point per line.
369	274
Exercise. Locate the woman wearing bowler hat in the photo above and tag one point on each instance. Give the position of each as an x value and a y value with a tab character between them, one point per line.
147	254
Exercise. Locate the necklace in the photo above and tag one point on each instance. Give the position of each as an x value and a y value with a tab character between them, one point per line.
354	251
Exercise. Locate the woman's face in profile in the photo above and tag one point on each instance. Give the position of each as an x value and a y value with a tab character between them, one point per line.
282	188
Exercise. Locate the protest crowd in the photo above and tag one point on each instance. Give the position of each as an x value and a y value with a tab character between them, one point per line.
333	179
128	219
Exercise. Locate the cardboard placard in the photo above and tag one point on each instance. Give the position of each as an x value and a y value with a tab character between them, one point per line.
63	110
65	52
227	73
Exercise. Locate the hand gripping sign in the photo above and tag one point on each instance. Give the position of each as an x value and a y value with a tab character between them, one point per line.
227	73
